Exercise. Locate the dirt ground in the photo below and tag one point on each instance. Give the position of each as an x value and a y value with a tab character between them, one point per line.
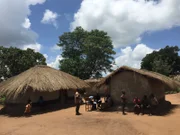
64	122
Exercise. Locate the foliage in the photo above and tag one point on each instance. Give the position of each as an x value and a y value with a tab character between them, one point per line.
165	61
173	92
2	99
13	61
161	66
86	54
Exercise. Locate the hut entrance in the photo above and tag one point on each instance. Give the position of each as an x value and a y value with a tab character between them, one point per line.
63	96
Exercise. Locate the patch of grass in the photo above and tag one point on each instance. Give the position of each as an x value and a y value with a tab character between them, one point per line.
173	92
2	99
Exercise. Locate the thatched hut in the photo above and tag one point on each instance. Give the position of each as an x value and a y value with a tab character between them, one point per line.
92	90
136	82
176	77
39	81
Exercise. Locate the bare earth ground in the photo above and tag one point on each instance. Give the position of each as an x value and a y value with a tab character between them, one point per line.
64	122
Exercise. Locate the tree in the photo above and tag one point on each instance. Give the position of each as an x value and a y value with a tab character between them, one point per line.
86	53
13	61
161	66
165	61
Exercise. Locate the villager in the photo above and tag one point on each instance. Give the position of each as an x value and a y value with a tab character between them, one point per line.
123	101
146	105
77	99
154	103
137	106
28	108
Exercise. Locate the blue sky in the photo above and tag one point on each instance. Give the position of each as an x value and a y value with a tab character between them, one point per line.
48	34
136	27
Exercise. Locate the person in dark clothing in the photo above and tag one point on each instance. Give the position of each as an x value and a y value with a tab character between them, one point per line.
98	99
41	101
137	106
154	103
77	100
123	100
145	105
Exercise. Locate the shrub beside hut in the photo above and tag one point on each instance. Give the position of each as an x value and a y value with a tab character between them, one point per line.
136	82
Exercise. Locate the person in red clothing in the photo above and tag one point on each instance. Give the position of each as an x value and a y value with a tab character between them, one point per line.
137	106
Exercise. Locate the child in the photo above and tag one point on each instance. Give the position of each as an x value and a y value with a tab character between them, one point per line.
137	106
28	107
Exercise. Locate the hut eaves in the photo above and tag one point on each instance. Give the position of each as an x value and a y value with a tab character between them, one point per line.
149	74
40	78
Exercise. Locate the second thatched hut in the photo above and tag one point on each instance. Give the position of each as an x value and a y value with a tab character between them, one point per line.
136	82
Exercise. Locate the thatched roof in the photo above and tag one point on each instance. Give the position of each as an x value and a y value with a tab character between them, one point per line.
164	79
40	78
92	80
177	78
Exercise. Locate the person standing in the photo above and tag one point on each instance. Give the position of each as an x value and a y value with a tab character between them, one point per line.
28	108
154	103
123	100
77	99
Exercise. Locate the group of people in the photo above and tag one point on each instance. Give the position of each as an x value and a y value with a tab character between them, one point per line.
147	103
94	101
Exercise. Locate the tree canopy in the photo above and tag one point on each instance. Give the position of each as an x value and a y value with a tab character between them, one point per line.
165	61
13	61
86	53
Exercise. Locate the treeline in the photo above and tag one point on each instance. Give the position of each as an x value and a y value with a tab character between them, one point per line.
13	61
166	61
85	54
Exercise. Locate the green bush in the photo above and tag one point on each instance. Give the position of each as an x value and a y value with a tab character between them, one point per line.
2	99
173	92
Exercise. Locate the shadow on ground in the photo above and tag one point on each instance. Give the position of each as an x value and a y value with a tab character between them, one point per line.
18	110
164	108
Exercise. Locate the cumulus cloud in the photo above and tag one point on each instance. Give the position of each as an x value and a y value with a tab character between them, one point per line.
15	25
34	2
36	47
132	57
55	64
45	55
126	20
50	18
27	23
55	48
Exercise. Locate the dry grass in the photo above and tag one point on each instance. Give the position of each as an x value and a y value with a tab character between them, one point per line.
40	78
177	78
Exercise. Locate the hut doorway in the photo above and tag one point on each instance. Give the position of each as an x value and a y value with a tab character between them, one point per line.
63	96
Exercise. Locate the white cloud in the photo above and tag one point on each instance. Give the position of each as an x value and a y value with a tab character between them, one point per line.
55	64
13	15
50	18
55	48
126	20
45	55
36	47
132	57
27	23
34	2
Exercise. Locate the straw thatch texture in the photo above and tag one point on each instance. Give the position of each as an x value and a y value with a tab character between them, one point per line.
164	79
40	79
92	90
177	78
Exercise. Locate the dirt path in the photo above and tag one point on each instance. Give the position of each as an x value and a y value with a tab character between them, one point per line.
64	122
